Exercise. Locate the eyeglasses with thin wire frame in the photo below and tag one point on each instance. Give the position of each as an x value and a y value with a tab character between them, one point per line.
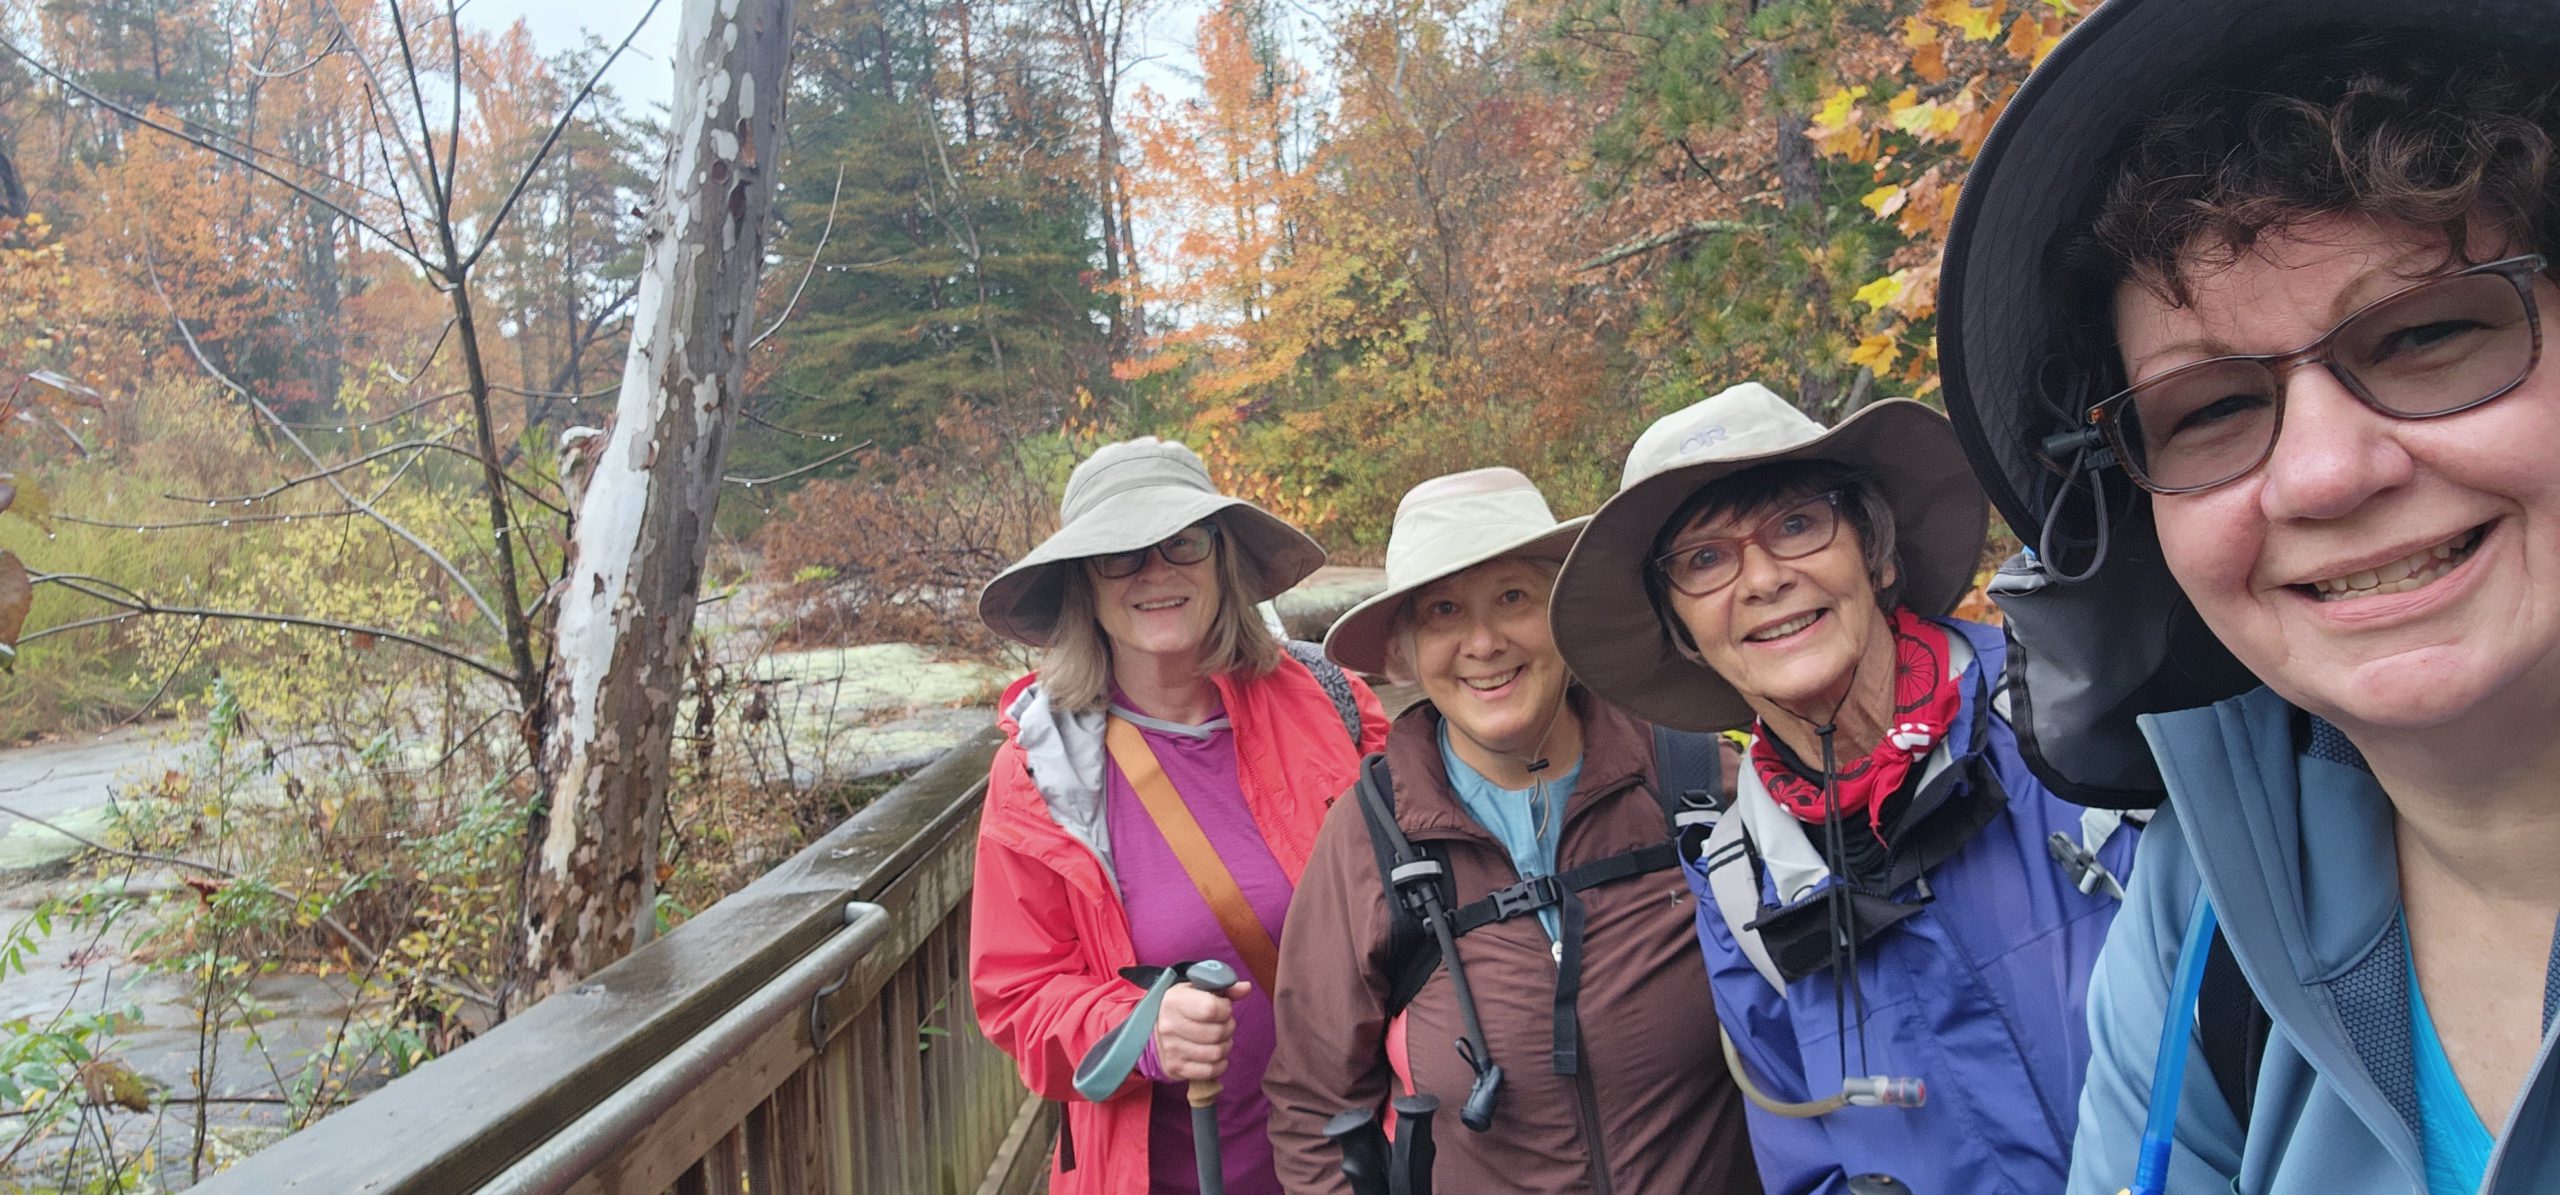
1702	566
2440	347
1191	545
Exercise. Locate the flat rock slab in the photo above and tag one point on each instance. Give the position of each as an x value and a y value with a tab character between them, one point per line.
853	713
55	778
31	851
1309	610
876	678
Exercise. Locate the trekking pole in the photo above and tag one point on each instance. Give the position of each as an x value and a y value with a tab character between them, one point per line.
1414	1152
1364	1150
1215	978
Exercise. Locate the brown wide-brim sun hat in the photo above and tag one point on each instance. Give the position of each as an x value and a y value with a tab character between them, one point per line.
1604	623
1131	495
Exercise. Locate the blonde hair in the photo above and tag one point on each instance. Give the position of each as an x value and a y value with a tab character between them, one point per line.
1075	669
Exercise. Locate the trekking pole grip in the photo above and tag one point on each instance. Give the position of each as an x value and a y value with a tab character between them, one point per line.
1217	979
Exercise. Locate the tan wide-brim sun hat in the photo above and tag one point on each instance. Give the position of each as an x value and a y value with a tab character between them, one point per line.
1444	527
1136	494
1605	624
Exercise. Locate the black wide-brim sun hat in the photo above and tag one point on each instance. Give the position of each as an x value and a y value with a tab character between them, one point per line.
2089	655
2050	151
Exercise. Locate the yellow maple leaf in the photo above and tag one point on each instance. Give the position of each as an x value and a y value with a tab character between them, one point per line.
1880	292
1877	352
1884	201
1837	107
1922	119
1976	24
1917	32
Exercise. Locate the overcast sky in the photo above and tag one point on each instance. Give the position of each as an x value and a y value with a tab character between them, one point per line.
644	75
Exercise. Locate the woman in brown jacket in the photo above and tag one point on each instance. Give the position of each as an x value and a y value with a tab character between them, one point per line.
1577	938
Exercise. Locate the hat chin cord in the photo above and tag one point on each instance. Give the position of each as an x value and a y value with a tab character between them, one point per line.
1866	1091
2088	456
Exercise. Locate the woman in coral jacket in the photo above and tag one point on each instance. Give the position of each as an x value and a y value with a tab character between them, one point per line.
1143	607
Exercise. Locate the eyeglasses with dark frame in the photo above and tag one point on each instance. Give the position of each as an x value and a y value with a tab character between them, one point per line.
2437	348
1191	545
1702	567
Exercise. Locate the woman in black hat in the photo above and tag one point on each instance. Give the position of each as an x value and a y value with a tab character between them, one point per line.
2274	395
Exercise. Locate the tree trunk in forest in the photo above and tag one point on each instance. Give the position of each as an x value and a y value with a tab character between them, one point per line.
643	527
1800	191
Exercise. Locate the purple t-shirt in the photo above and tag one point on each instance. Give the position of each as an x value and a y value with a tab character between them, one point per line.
1170	923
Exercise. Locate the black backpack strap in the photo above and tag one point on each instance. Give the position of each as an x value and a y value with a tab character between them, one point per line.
1688	770
1336	684
2232	1028
1412	953
1544	892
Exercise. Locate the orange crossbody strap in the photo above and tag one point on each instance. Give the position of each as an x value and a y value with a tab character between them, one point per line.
1191	845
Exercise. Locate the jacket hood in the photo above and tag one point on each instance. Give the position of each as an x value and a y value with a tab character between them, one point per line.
1065	754
2320	885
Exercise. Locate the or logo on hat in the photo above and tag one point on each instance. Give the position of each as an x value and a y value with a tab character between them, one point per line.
1698	440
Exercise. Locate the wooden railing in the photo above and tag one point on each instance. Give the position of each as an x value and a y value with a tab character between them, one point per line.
810	1033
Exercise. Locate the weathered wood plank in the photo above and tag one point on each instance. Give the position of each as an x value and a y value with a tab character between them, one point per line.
458	1121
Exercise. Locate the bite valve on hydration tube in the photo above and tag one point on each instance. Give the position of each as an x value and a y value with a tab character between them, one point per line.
1884	1091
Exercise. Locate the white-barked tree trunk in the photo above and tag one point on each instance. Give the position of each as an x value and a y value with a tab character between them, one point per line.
643	527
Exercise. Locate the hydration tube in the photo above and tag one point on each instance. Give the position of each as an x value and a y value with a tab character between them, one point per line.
2169	1068
1863	1091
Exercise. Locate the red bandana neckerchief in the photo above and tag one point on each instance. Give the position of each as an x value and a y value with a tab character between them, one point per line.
1925	704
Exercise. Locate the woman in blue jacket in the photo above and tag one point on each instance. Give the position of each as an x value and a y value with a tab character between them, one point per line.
1891	907
2285	266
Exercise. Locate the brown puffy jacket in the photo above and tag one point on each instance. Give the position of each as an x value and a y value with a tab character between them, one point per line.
1652	1078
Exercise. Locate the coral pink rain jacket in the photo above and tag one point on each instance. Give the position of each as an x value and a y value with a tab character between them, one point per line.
1048	935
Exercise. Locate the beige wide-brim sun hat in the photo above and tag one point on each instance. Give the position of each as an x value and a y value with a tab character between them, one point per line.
1444	527
1131	495
1605	624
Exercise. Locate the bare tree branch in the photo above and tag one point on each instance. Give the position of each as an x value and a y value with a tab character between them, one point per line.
143	605
308	478
524	180
335	926
820	463
377	97
316	60
522	392
259	405
411	378
411	409
1663	240
814	254
761	421
420	446
313	516
324	201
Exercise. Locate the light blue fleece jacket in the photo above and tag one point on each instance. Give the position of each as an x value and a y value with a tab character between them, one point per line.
2275	819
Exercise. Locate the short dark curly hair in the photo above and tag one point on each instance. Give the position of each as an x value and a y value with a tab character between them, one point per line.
2448	139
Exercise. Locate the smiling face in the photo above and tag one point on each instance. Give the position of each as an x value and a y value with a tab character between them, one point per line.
1484	656
2382	573
1163	610
1788	635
